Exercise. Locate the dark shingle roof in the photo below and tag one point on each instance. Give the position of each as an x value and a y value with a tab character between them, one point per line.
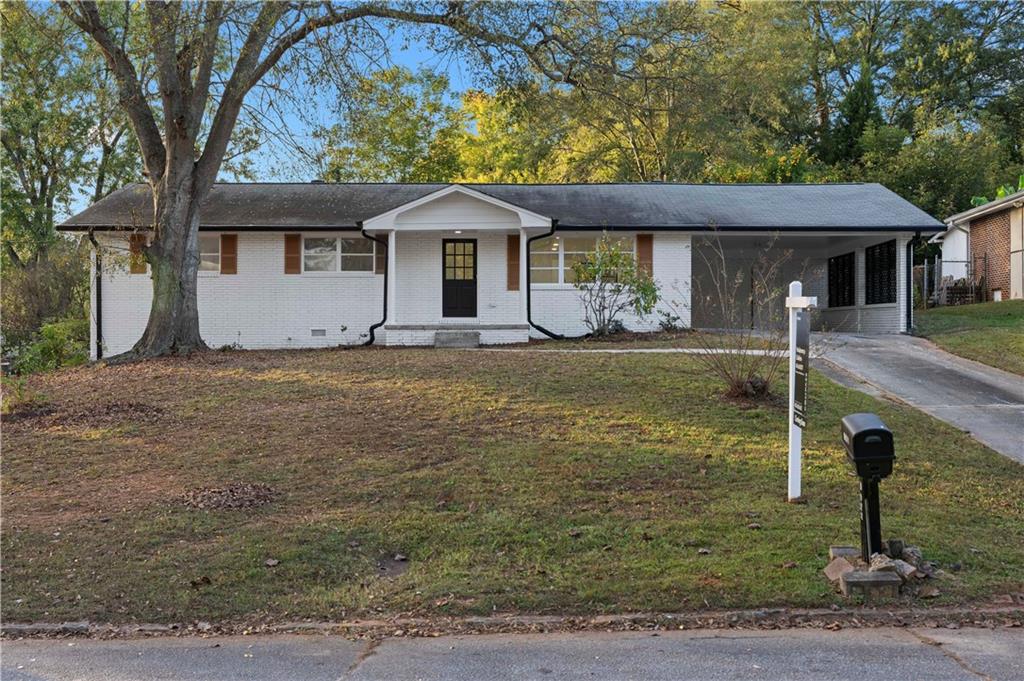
594	206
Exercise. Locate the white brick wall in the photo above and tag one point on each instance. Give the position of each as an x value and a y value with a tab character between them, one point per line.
558	307
260	307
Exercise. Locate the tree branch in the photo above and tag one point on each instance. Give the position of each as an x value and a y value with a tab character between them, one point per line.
130	94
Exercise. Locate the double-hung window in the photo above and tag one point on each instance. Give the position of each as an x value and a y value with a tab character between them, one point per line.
841	289
880	273
552	259
209	252
337	254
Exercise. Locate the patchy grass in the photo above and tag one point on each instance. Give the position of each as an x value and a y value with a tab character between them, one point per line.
512	482
991	333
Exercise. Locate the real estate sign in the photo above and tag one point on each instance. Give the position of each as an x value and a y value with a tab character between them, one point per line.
799	345
801	367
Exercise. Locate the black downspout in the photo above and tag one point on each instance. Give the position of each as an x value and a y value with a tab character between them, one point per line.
99	305
910	283
529	310
384	313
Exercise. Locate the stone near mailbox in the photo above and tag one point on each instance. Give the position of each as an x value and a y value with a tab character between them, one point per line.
872	586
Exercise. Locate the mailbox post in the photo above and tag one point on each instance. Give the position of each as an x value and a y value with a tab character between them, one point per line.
869	447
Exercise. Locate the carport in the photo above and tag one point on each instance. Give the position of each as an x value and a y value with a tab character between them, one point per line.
739	280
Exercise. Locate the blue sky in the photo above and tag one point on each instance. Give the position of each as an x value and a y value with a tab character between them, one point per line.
270	162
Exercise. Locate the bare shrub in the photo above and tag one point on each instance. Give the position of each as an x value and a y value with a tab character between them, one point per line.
748	349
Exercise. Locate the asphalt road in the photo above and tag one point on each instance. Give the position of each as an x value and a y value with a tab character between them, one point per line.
802	654
986	402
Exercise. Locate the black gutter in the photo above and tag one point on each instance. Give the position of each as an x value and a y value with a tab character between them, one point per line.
384	312
529	310
752	228
99	305
910	282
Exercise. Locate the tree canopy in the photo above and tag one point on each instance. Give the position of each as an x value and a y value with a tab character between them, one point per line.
925	98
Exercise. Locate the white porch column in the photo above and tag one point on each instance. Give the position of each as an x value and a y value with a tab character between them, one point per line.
392	316
523	236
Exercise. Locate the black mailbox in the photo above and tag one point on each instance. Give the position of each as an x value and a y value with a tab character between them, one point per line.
870	449
868	445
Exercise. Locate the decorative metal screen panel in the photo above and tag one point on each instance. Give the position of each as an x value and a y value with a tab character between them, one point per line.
841	278
880	273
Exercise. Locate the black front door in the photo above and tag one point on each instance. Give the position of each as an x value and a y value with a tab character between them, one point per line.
458	285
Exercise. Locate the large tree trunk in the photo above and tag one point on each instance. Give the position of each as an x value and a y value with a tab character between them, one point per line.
173	326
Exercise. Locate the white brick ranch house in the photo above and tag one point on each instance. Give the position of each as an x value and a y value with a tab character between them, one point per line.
312	265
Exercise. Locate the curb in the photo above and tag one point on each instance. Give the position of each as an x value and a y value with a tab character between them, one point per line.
778	618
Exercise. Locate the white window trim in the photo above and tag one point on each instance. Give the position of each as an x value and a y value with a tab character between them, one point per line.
562	284
338	273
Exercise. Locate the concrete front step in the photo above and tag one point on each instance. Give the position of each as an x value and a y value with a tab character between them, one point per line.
456	339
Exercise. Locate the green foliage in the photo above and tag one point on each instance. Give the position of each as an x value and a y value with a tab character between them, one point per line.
512	135
939	170
18	397
54	287
610	283
59	344
1002	191
62	131
857	112
397	128
796	164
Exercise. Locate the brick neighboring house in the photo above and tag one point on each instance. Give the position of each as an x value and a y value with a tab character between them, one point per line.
986	243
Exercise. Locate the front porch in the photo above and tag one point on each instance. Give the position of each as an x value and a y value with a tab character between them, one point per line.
456	270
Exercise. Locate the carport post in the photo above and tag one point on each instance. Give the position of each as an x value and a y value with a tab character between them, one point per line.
799	361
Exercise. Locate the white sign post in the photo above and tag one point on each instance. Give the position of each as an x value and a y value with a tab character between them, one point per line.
799	365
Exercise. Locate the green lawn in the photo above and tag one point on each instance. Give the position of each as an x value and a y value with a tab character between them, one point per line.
992	333
513	482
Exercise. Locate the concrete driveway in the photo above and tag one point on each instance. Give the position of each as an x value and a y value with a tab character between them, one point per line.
796	655
986	402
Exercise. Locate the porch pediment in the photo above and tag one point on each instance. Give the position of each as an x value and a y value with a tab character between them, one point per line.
456	207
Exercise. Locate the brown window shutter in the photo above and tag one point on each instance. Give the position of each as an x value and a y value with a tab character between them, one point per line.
513	262
136	260
380	260
229	254
292	253
645	253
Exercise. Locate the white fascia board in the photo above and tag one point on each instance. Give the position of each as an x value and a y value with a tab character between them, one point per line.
386	221
964	227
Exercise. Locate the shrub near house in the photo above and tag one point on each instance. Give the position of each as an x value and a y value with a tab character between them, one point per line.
610	282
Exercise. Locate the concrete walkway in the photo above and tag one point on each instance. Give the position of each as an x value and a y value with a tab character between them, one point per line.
800	654
630	351
986	402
